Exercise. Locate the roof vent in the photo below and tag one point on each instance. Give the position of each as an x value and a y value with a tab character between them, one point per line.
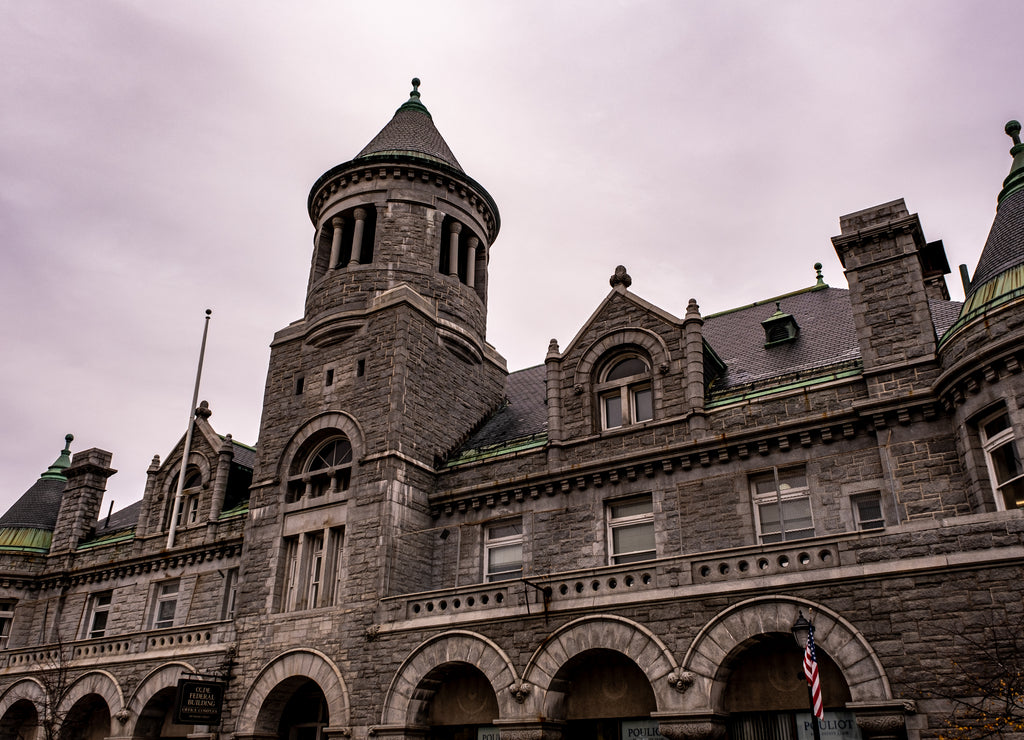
779	328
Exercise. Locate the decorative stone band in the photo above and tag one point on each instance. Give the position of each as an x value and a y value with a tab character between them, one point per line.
691	727
518	730
878	721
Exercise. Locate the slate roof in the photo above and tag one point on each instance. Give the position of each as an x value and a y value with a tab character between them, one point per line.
827	343
244	455
411	132
37	508
1004	247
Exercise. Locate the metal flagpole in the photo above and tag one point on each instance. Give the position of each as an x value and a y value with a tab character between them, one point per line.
188	438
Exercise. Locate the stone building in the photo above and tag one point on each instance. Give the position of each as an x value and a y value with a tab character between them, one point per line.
614	543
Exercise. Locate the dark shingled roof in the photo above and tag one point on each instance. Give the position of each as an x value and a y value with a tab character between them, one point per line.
411	132
1005	245
37	508
244	455
126	518
827	343
827	337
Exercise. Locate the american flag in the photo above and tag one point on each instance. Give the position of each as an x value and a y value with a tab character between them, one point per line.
811	673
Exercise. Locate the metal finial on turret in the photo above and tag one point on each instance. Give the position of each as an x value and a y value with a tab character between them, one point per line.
1012	130
817	274
415	88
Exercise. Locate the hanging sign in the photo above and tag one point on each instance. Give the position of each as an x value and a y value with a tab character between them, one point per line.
199	702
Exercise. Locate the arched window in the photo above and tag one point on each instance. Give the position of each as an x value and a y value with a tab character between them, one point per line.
327	469
624	391
188	513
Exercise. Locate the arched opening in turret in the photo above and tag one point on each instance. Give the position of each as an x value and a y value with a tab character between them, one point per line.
463	255
346	239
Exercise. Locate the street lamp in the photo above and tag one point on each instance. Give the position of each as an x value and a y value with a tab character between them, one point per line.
801	630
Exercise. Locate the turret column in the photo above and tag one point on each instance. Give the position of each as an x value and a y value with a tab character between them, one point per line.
471	243
357	236
336	223
453	249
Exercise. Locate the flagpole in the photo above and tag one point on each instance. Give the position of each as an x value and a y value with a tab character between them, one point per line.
188	438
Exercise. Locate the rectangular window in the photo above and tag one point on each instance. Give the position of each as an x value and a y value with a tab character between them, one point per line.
312	569
503	551
631	530
165	603
329	380
6	621
867	511
97	613
1003	458
783	505
227	610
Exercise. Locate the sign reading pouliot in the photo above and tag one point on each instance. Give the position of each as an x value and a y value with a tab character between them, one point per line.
199	702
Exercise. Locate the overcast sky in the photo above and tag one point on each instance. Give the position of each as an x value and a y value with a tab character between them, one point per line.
155	160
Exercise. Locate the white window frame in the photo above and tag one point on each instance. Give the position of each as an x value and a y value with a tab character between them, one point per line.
6	621
868	524
230	601
782	491
626	390
165	593
618	520
498	538
97	610
993	442
312	569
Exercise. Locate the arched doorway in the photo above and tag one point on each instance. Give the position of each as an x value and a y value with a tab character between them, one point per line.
606	697
766	693
88	719
156	720
20	722
457	701
300	708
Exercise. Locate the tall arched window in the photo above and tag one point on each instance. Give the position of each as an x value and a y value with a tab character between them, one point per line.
327	469
624	392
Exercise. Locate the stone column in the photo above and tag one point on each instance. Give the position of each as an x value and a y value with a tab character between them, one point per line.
220	480
453	249
708	726
471	243
336	223
357	235
694	343
553	393
883	720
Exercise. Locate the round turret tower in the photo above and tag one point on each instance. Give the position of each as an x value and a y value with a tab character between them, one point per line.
402	212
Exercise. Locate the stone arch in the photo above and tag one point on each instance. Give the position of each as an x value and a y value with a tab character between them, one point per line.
607	632
405	697
159	679
647	341
733	629
196	459
102	684
321	426
25	690
261	706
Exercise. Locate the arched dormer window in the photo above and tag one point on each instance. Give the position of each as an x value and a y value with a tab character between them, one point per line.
624	392
327	469
188	514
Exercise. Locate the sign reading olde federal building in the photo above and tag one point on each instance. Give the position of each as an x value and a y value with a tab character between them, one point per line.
199	702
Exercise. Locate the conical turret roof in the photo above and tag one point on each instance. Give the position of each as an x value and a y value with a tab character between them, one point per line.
30	520
411	133
1004	248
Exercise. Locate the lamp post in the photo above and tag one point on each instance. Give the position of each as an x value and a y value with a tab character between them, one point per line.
801	630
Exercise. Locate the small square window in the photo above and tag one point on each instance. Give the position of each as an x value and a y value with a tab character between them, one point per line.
360	368
165	604
631	530
300	383
867	511
329	377
97	614
503	551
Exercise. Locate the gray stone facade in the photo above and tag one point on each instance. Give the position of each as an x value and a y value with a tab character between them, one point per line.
617	541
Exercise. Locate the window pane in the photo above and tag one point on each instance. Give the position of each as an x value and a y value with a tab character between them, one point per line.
612	411
632	508
643	404
99	624
992	427
504	530
633	538
1013	494
1006	462
626	368
797	513
504	558
165	614
336	452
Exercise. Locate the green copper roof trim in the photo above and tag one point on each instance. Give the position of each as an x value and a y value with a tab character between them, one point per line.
242	508
237	443
1005	288
1015	180
505	448
852	370
110	539
820	285
25	540
62	463
413	103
